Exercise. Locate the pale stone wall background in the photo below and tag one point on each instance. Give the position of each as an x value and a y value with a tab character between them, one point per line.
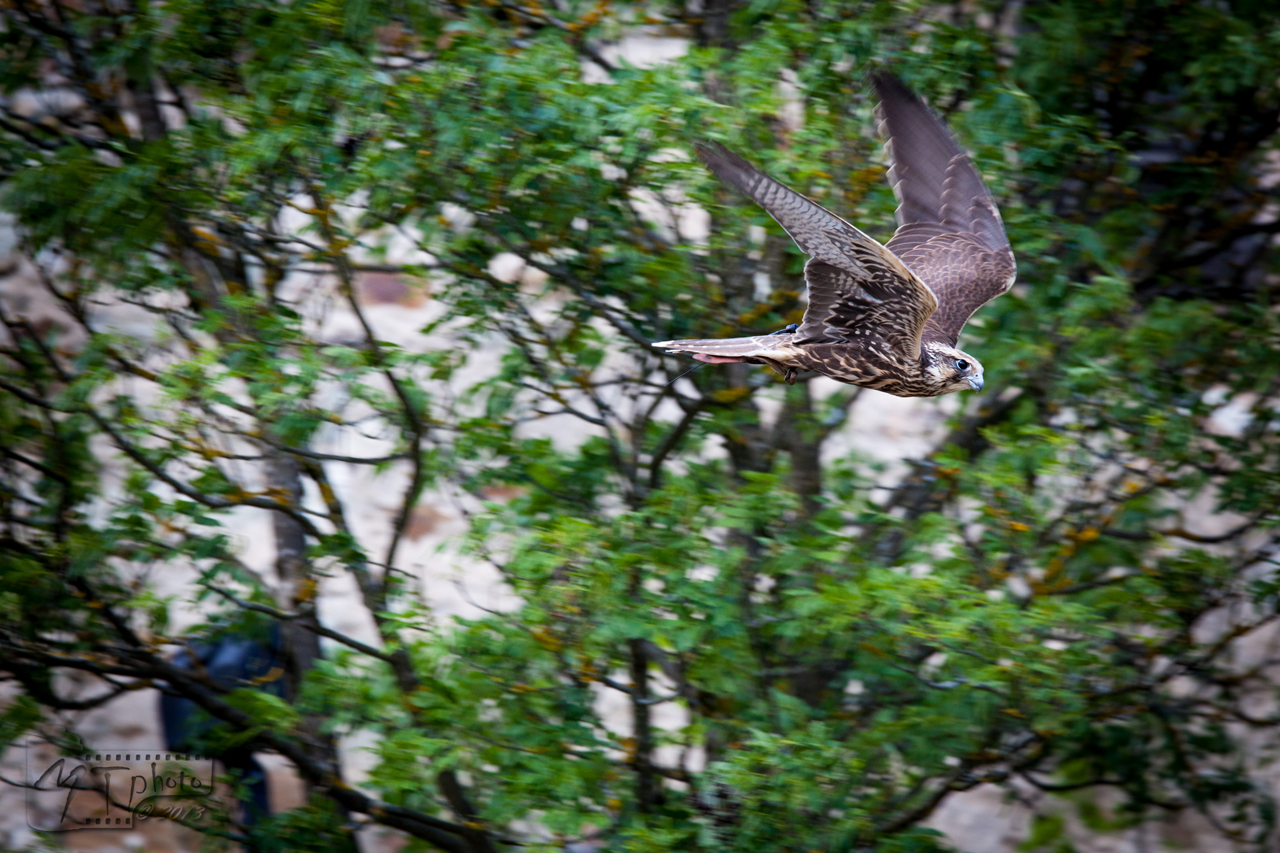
880	427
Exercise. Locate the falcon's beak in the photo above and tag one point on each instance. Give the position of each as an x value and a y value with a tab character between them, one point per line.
975	382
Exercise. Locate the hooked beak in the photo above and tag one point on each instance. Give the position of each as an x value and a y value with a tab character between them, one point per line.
975	382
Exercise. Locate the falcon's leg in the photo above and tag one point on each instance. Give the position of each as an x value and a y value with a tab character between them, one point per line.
789	374
791	329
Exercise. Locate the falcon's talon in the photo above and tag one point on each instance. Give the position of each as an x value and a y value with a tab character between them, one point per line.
883	316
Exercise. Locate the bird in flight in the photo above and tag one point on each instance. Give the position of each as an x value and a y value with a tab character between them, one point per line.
885	317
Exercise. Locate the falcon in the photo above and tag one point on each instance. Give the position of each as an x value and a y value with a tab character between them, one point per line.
888	316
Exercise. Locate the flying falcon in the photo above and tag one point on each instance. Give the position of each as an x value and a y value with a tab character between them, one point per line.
885	317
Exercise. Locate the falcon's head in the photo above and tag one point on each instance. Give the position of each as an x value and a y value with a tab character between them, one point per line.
952	369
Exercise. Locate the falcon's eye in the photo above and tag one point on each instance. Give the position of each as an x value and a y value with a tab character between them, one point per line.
962	365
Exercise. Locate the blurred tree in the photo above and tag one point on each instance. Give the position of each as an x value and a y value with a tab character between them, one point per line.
1038	603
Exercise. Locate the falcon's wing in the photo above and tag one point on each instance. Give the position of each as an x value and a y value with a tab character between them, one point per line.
858	289
949	230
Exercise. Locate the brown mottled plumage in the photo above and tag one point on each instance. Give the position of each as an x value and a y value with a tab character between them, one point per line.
885	317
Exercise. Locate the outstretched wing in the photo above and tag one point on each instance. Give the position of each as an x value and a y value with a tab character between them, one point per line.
858	289
949	230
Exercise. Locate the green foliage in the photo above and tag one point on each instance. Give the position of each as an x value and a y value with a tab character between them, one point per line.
1059	596
1046	834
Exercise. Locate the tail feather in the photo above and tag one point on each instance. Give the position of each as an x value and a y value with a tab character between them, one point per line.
760	345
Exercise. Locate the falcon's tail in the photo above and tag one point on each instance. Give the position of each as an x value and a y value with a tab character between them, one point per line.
734	349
